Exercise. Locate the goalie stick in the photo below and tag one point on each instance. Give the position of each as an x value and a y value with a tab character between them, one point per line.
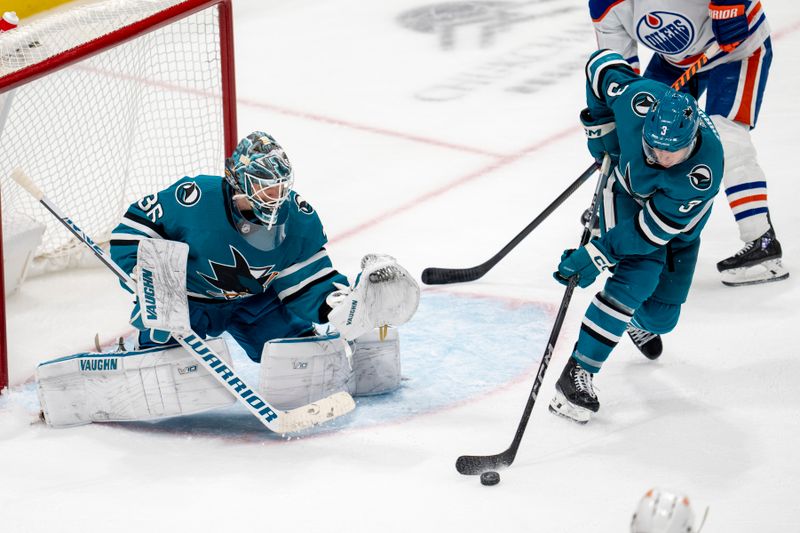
276	420
477	464
443	276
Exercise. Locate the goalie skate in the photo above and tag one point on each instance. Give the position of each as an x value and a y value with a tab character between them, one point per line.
758	262
575	397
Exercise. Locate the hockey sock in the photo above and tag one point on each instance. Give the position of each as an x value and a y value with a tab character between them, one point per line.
602	327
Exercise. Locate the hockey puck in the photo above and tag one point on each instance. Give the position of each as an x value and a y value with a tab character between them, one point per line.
490	478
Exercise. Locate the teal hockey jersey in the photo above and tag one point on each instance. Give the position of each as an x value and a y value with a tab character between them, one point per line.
676	201
231	257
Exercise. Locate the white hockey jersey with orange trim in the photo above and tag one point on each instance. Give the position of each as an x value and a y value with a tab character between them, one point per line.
678	30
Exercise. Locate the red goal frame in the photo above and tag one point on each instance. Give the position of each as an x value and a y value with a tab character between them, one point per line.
106	42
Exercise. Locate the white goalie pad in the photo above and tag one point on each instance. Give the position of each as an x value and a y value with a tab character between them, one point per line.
376	363
385	294
300	371
127	386
161	286
21	236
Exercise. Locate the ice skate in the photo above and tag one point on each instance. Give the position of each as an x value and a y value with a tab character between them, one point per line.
648	343
758	262
575	397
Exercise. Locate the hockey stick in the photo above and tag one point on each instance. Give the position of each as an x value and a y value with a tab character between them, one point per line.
276	420
477	464
443	276
692	69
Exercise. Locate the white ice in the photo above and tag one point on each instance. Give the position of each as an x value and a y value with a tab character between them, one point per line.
439	156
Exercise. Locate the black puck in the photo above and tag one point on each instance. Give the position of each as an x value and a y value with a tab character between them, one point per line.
490	478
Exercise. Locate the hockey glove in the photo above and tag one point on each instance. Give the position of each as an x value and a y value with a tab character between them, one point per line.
601	136
728	22
156	335
586	262
384	294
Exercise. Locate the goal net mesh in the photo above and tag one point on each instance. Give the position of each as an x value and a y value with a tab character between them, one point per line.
114	127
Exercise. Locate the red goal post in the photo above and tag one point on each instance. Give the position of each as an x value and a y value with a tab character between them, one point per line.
104	102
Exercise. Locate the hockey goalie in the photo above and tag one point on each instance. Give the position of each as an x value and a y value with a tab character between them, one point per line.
243	254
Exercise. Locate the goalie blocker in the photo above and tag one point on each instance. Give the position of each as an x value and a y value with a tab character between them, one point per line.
166	381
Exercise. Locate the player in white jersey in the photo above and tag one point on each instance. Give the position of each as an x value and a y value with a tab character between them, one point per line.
679	32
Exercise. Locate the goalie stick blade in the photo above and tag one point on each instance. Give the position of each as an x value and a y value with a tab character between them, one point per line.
471	465
444	276
315	413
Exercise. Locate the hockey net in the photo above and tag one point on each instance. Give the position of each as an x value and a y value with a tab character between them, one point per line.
105	102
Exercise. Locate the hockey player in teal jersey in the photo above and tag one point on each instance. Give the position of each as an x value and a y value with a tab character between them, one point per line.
242	254
257	265
668	168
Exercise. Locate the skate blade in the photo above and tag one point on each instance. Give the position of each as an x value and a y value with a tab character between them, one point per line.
560	406
765	272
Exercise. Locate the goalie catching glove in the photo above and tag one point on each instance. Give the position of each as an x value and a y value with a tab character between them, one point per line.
384	294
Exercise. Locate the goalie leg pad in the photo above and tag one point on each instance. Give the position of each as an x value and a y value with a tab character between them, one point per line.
300	371
376	363
127	386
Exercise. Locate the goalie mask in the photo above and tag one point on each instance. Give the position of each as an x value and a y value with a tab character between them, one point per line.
670	129
260	171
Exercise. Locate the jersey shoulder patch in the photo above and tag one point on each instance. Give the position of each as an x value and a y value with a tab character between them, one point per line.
188	193
301	205
701	177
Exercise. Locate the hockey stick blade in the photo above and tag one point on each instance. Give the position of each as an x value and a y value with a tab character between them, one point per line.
471	465
315	413
444	276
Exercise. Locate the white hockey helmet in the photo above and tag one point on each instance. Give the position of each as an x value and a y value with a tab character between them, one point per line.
663	511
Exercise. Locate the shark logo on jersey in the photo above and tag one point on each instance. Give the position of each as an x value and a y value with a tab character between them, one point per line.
701	177
665	32
642	102
188	194
302	205
238	280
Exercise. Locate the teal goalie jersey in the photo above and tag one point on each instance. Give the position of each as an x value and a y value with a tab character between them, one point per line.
230	257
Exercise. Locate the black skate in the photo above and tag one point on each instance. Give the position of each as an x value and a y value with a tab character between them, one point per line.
648	343
575	398
758	262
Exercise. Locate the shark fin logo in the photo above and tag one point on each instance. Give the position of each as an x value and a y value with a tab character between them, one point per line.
642	102
701	177
188	194
238	280
302	205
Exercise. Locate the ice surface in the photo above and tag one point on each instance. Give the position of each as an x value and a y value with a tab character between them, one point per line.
438	146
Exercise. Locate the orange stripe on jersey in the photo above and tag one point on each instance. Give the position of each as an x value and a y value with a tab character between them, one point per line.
756	10
609	8
748	199
745	107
